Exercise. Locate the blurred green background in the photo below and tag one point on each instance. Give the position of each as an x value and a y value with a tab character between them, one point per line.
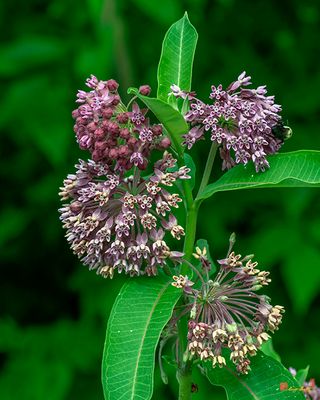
53	311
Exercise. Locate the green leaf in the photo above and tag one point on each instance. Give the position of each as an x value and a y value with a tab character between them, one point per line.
171	119
302	374
141	310
262	382
268	349
296	169
176	60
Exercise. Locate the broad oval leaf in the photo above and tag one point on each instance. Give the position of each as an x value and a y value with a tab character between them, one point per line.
295	169
262	382
176	60
140	312
170	118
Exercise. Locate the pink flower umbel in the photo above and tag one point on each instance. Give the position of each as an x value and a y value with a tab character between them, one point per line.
118	222
113	135
245	123
227	313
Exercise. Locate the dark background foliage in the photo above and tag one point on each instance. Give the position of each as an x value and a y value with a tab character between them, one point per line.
53	310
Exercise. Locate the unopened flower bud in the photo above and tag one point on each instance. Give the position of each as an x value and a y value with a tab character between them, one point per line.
165	143
145	90
112	85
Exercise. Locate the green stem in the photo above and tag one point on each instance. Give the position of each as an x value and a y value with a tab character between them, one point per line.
191	226
131	101
184	373
185	381
208	168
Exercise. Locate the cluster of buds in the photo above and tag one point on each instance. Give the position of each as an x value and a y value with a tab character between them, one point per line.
244	122
113	135
118	222
227	313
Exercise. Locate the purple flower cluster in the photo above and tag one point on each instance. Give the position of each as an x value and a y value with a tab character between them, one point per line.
227	313
112	134
240	120
118	222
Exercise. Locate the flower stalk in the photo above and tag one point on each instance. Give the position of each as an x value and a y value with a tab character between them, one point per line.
208	168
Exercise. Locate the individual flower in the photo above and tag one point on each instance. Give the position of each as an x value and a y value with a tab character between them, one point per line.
113	135
202	256
244	122
177	92
227	312
119	222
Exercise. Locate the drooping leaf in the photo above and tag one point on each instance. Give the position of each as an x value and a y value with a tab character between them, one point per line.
302	374
140	312
176	60
171	119
295	169
262	382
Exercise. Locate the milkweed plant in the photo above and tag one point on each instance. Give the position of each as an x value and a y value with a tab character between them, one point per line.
120	215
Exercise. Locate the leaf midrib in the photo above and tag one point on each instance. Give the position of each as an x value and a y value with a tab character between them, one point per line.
143	338
180	53
251	184
244	384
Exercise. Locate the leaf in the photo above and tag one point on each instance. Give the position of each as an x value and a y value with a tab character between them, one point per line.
176	60
302	374
262	382
295	169
268	349
142	309
171	119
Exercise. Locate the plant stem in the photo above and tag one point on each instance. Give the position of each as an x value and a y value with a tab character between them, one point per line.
184	373
191	225
184	377
208	167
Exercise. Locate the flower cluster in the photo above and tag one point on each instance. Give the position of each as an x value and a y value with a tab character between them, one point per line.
244	122
228	313
118	222
112	134
310	390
